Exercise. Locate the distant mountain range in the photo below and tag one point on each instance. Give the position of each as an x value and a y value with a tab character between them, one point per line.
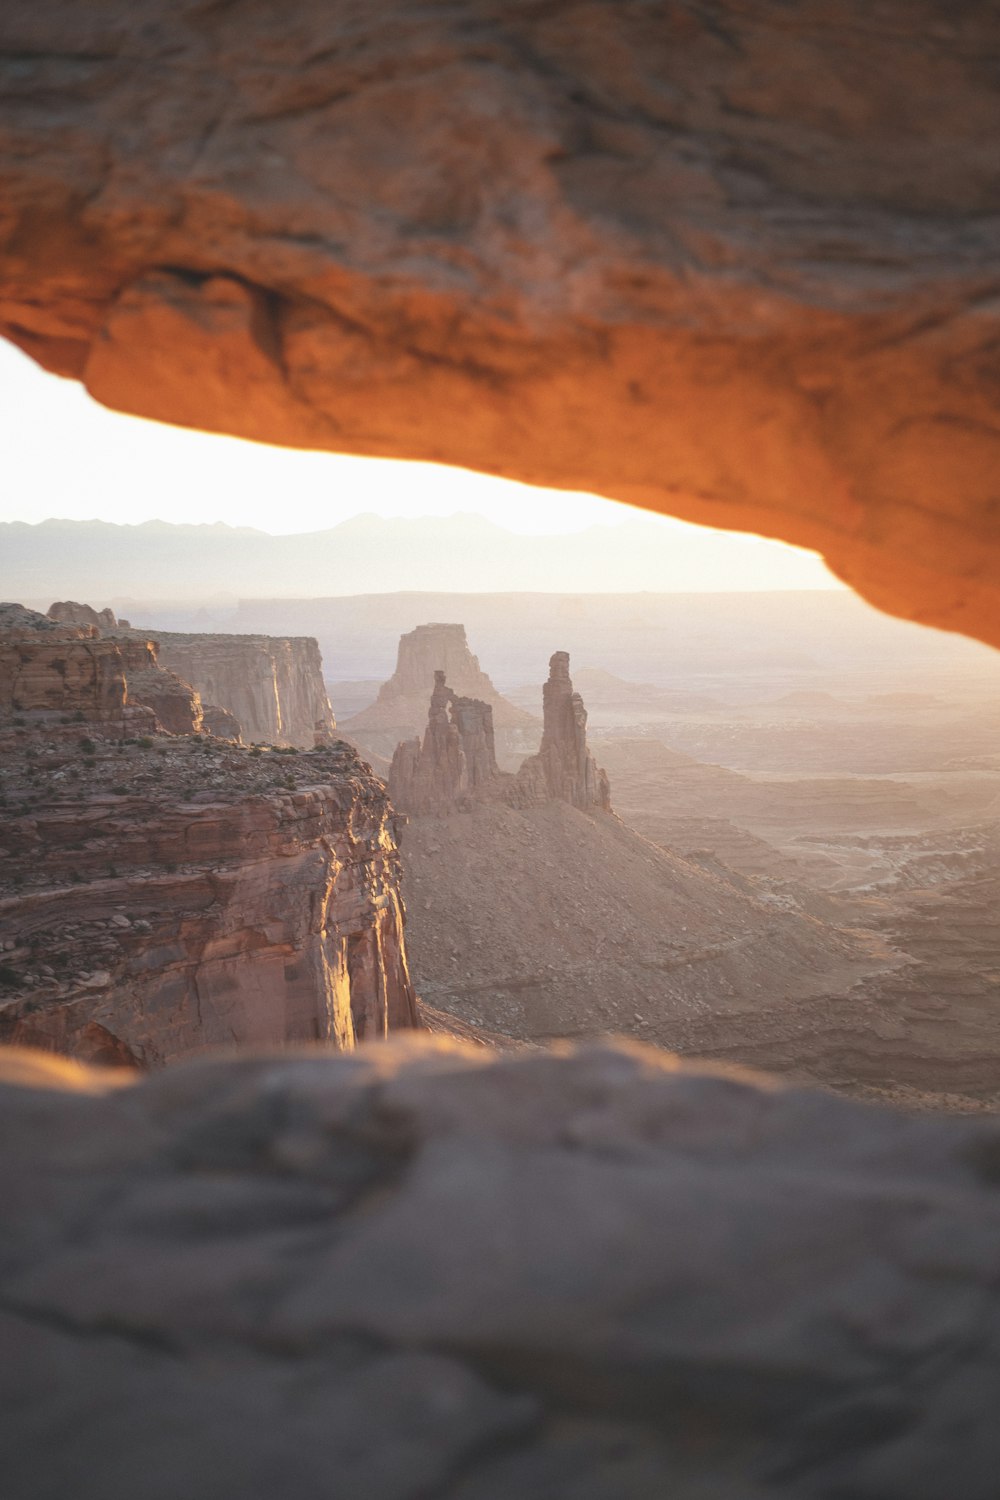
104	563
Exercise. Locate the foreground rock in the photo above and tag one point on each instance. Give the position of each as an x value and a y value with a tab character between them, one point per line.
721	260
425	1271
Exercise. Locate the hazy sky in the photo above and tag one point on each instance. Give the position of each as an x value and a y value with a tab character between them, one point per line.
67	457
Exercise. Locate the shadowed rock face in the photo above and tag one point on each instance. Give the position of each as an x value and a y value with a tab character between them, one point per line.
416	1271
732	261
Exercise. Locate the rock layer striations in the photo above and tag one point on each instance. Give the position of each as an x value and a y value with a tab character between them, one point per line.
162	893
272	685
266	689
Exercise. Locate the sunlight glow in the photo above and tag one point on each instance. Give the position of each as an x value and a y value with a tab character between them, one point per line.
67	457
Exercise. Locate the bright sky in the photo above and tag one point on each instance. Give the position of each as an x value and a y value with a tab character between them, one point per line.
67	457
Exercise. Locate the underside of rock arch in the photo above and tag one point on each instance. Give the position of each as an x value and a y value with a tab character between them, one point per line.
733	261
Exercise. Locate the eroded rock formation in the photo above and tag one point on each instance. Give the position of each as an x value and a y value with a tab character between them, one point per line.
454	763
432	1271
267	689
181	893
69	612
564	768
735	262
176	704
64	669
271	685
159	894
400	711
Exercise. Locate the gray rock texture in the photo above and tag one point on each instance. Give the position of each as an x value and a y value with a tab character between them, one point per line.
416	1271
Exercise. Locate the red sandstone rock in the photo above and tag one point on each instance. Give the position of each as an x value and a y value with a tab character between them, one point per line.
455	765
184	895
270	686
65	669
564	767
732	261
401	707
456	761
158	896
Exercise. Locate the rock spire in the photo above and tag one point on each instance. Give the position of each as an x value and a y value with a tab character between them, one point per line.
564	767
456	759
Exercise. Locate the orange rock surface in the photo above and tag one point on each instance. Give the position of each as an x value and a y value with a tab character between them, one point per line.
737	262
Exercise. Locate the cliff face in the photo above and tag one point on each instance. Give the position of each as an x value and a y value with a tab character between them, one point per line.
66	669
564	767
160	900
272	685
176	704
266	688
159	895
401	707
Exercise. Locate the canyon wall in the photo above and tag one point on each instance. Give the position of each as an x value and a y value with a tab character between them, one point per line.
65	669
272	685
164	893
269	689
171	898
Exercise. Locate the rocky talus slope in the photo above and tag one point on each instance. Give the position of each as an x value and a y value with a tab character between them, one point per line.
544	921
162	893
400	710
535	913
420	1271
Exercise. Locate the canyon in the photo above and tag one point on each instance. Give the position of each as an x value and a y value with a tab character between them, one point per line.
166	892
536	914
735	262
